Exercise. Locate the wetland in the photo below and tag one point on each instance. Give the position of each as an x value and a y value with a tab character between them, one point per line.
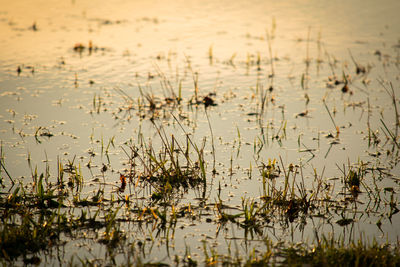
196	133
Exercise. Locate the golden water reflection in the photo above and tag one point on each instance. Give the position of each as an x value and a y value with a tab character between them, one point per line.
150	27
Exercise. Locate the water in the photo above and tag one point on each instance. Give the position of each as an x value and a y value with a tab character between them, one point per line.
132	41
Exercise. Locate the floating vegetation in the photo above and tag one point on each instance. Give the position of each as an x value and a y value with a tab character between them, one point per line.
80	48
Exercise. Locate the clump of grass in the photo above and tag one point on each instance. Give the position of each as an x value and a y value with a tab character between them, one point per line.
31	235
327	252
23	229
353	178
169	169
330	252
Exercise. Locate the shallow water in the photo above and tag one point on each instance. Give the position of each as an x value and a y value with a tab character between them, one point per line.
135	40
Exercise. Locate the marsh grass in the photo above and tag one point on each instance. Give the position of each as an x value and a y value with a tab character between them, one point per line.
166	185
46	215
169	169
330	252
